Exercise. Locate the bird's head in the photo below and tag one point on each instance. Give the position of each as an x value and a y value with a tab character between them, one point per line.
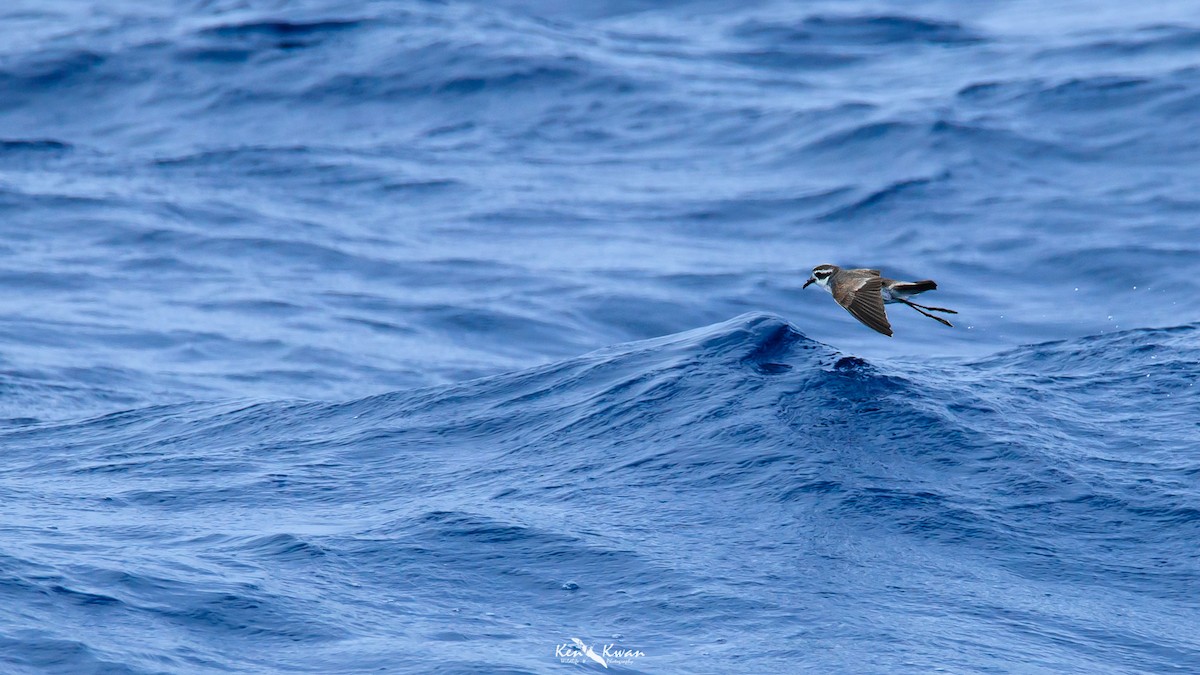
820	276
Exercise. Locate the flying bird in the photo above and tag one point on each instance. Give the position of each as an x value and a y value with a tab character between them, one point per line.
864	293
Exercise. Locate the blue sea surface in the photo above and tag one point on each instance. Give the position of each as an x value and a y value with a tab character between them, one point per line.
453	336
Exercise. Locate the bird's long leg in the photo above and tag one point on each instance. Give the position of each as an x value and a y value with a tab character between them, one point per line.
935	318
932	309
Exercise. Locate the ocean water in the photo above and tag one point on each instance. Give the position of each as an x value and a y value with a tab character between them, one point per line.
452	336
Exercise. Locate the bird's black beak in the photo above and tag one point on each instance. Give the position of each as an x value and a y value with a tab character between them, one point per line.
811	280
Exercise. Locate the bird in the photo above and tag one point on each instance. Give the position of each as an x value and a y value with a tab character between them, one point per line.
864	292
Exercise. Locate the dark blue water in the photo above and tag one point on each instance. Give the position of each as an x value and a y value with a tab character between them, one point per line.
421	336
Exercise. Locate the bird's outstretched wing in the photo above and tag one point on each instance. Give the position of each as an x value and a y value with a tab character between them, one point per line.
861	297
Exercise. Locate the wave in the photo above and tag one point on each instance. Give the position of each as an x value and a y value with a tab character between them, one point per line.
51	68
572	481
279	28
11	146
1102	94
859	30
758	376
1166	39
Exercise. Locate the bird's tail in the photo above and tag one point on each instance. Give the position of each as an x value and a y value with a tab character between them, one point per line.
917	286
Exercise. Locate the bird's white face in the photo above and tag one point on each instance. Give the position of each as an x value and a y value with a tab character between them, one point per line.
821	275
